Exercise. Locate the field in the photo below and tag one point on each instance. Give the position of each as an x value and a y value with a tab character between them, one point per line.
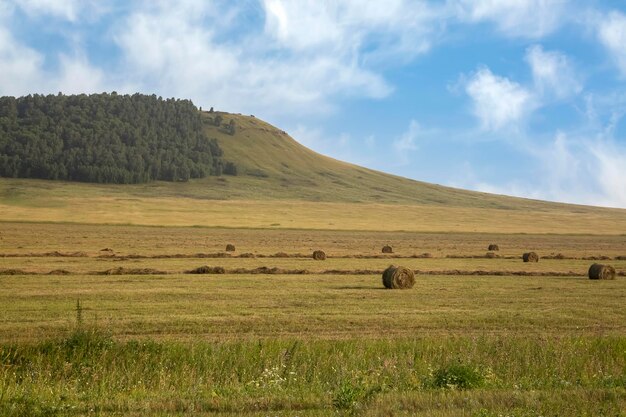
104	320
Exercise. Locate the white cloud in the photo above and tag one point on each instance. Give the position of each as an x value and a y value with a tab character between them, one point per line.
527	18
552	72
20	66
497	101
77	76
573	170
406	142
609	167
173	51
612	34
347	26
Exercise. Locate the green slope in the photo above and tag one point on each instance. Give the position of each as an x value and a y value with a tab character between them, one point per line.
271	164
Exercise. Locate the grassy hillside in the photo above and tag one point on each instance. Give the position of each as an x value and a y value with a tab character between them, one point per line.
273	165
282	184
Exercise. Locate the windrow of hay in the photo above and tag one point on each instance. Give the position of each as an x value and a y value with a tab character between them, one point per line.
59	272
530	257
207	270
130	271
13	272
319	255
487	255
398	277
493	247
54	254
387	249
600	271
217	255
281	271
252	271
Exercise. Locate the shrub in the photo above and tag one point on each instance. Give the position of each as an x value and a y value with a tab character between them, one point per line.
458	376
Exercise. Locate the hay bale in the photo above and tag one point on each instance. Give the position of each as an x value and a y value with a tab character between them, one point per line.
493	247
398	277
319	255
530	257
230	247
600	271
387	249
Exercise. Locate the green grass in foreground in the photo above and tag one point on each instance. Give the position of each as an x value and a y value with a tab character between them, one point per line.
88	373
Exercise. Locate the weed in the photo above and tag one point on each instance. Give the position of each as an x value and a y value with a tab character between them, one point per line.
458	376
352	397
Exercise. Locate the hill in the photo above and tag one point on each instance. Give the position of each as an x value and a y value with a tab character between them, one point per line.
282	184
272	165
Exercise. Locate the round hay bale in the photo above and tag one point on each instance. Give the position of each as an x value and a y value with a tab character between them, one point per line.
530	257
398	277
600	271
493	247
230	247
319	255
387	249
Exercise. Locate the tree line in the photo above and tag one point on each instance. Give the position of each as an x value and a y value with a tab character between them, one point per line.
105	138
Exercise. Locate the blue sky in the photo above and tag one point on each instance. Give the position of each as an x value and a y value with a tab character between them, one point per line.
518	97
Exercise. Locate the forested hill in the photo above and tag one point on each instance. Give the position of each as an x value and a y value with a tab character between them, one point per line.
105	138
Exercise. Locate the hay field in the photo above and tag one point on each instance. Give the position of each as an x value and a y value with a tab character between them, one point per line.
330	341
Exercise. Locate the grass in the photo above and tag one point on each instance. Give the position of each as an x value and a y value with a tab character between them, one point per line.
306	345
223	307
89	373
80	203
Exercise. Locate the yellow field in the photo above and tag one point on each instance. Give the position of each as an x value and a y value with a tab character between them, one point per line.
321	304
50	206
317	344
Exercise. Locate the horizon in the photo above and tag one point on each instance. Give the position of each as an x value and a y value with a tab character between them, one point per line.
524	98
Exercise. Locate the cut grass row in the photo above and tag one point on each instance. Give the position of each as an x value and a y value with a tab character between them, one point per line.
337	266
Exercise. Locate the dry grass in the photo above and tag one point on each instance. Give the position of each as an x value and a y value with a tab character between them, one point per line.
26	238
309	306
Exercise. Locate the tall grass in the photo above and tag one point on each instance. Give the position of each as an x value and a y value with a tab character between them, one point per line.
88	371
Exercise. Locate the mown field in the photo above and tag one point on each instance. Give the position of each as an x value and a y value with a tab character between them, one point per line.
120	329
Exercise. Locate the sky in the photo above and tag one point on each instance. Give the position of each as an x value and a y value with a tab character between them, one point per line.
517	97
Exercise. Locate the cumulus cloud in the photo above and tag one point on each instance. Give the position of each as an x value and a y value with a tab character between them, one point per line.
406	142
527	18
552	72
20	66
612	34
500	103
172	50
497	101
349	25
77	75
